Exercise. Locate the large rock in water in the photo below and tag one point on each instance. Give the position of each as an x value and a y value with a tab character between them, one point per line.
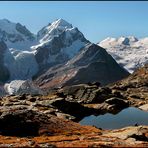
91	64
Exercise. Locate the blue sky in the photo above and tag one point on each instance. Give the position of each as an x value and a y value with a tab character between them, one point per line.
97	20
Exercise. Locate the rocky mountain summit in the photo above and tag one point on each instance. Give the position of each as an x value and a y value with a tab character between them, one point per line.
130	52
91	64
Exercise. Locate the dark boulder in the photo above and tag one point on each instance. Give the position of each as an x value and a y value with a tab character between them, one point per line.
117	102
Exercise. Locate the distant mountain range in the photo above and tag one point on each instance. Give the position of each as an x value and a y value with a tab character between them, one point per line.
129	52
58	55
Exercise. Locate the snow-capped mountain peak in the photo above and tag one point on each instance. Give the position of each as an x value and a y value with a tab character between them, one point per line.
132	38
61	23
53	30
121	41
127	40
60	41
57	43
16	35
107	40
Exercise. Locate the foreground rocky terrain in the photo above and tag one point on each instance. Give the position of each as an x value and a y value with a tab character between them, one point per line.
48	120
24	121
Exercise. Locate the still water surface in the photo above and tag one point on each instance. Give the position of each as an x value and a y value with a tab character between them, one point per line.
127	117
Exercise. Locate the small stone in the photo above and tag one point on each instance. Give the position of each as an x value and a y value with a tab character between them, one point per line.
32	99
31	143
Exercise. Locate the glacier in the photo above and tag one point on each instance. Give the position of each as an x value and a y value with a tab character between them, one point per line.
130	52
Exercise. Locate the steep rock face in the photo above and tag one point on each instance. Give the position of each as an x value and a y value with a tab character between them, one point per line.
91	64
58	42
15	35
134	87
4	73
129	52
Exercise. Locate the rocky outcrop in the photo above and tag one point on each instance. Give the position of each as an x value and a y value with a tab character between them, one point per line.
23	30
24	122
135	87
144	107
99	99
135	133
56	106
131	91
